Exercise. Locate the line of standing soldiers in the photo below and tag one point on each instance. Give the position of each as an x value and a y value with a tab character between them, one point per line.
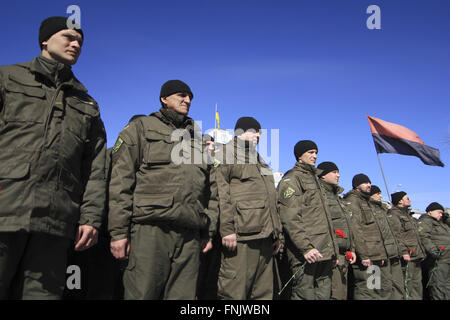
219	229
182	223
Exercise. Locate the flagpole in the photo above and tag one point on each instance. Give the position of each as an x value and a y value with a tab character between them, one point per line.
384	178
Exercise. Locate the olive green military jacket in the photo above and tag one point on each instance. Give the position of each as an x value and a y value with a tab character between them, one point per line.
434	234
304	213
366	230
407	234
244	187
158	175
340	217
385	223
52	151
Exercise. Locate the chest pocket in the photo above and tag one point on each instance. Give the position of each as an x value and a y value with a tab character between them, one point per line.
310	192
158	149
406	224
249	172
24	100
198	155
78	116
366	214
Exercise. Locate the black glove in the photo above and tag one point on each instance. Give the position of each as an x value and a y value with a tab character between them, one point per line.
444	216
436	255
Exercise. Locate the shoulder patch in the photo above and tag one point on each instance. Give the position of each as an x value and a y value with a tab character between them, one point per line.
117	145
286	179
289	192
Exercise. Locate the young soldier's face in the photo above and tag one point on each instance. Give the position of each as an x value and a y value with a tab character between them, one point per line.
179	102
405	202
437	214
377	197
309	157
64	46
251	135
332	177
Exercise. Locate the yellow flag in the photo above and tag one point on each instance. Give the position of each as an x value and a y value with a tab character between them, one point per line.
218	120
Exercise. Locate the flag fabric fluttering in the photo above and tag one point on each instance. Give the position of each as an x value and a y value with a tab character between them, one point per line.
218	120
393	138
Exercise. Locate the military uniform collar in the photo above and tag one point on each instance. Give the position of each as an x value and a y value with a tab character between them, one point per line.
336	189
378	203
359	194
308	168
173	118
66	74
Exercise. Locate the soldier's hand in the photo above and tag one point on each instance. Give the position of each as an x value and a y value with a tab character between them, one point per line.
276	247
366	263
335	263
353	259
85	237
312	255
406	257
230	241
120	249
206	245
435	255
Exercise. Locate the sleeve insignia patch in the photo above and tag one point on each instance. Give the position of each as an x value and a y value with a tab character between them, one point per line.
289	192
216	163
117	145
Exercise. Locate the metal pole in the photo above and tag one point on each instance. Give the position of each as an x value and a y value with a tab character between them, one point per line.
215	118
382	172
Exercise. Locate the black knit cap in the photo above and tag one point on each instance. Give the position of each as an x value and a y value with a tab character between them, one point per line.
359	179
434	206
175	86
247	123
397	196
327	167
374	190
52	25
302	146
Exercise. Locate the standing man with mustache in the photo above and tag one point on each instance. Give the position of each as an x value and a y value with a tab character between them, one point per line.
158	198
52	173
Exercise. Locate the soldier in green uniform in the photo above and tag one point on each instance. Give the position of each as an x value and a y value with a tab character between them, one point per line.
340	215
374	242
390	242
435	236
411	248
158	193
52	176
311	246
249	223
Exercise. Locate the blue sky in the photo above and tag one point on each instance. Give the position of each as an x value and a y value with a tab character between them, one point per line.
310	68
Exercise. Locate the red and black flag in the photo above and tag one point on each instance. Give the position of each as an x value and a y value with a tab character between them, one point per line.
393	138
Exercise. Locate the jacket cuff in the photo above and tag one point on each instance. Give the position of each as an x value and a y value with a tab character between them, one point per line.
90	220
119	237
